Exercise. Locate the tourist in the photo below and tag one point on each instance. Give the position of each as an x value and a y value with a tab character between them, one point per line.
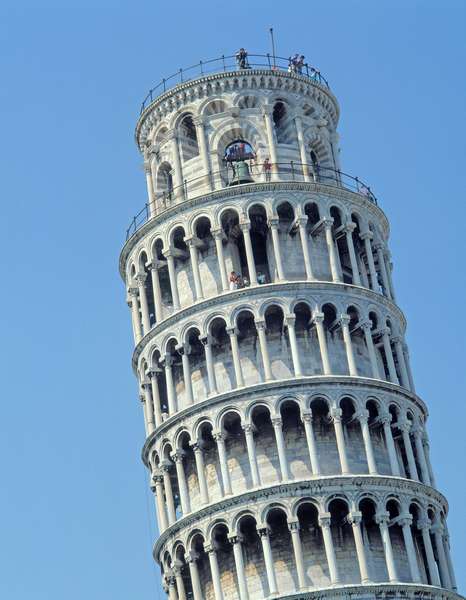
233	281
267	167
242	59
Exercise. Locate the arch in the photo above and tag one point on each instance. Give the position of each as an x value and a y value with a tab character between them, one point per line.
187	137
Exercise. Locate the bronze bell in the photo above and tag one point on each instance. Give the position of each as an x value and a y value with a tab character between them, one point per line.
241	174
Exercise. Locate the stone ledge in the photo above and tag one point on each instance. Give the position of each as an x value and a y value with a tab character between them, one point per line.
394	591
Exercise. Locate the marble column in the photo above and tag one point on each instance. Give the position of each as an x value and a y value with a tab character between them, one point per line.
252	457
157	292
328	225
260	327
318	319
418	433
324	523
277	427
268	559
222	457
298	553
232	332
249	253
424	526
167	484
398	343
194	256
172	276
366	327
349	228
178	457
191	559
405	521
405	427
141	281
134	304
199	458
215	572
382	521
355	518
340	437
273	223
207	343
203	149
367	236
302	224
266	111
344	322
218	237
150	190
388	355
363	418
236	541
184	350
311	442
171	394
290	325
383	270
159	496
386	420
302	146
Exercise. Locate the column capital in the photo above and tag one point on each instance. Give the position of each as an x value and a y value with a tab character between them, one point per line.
385	418
248	428
355	517
382	518
273	222
379	246
277	422
141	278
157	478
199	120
196	446
133	292
166	465
290	320
245	225
154	372
191	556
405	520
366	235
344	319
260	323
142	398
218	233
293	525
363	415
324	520
206	340
178	455
318	317
167	360
306	415
327	222
397	339
232	331
209	548
424	523
404	425
350	227
236	538
336	414
263	530
302	221
218	436
183	348
438	527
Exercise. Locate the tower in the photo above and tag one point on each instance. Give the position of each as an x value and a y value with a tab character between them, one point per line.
286	445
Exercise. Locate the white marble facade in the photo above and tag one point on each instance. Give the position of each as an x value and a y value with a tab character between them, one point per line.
286	446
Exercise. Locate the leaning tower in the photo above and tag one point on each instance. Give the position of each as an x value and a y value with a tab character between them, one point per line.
285	442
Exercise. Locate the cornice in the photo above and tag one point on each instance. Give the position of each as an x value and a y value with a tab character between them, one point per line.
267	289
278	387
375	591
323	485
247	189
205	79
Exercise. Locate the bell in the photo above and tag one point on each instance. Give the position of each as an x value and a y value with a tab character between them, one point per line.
241	174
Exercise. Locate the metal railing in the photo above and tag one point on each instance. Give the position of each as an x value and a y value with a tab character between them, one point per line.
258	173
230	63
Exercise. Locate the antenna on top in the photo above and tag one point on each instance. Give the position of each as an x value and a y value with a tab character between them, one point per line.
273	47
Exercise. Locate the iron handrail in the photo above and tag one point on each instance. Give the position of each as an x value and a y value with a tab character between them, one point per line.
229	63
260	173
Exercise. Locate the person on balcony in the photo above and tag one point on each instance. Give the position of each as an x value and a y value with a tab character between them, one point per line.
267	167
242	59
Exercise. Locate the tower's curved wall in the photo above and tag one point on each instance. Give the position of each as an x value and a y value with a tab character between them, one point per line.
286	445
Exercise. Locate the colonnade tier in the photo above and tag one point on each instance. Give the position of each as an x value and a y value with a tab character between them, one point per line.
305	535
184	259
302	431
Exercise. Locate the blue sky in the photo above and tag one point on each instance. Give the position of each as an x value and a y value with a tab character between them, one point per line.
76	514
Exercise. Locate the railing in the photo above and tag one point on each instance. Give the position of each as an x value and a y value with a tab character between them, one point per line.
256	173
230	63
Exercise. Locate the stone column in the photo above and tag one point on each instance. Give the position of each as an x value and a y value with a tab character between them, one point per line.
212	553
145	413
179	582
149	406
328	224
153	374
382	521
195	267
349	228
425	445
344	322
207	343
270	139
405	426
424	526
363	418
290	323
184	350
383	270
311	442
417	435
298	553
222	457
386	420
401	361
167	484
277	427
178	457
324	523
389	356
388	268
141	281
172	593
260	326
408	368
318	319
191	559
366	327
172	276
249	253
134	303
451	570
367	236
232	332
150	189
218	237
236	541
161	509
405	522
268	559
302	223
171	394
199	457
251	448
340	437
273	223
354	519
362	271
302	146
178	171
157	292
203	149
